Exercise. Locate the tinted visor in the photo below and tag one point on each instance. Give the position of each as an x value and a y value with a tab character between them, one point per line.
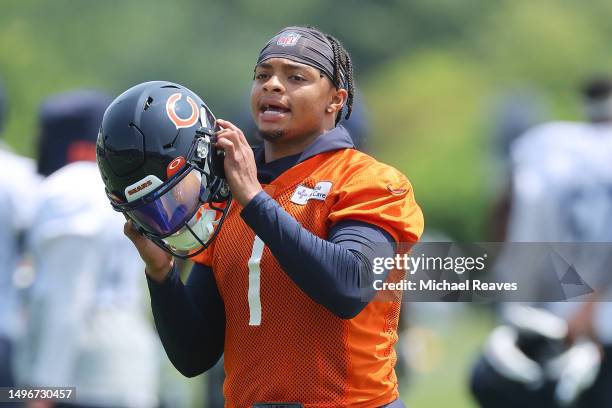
171	210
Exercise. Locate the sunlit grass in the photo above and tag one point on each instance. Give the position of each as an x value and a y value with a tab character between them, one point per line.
452	342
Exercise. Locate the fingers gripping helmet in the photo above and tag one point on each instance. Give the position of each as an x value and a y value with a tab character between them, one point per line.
160	168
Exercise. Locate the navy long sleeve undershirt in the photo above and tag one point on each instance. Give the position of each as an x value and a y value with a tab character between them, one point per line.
336	273
190	319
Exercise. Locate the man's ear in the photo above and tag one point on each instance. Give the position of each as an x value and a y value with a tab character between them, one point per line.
338	100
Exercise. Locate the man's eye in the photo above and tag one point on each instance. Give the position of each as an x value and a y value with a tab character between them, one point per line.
261	76
297	77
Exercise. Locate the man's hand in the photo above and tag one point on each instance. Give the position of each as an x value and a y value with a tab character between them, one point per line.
239	163
158	262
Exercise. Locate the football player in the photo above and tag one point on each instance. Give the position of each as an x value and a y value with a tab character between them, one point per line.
283	280
87	324
562	192
18	182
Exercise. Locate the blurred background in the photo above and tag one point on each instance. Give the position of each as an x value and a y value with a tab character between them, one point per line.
445	86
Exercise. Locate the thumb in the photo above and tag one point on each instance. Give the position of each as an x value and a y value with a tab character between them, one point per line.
130	231
143	244
158	262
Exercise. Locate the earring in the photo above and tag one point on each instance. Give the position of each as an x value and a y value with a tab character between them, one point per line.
329	110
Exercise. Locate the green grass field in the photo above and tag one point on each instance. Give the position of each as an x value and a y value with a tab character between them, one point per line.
450	347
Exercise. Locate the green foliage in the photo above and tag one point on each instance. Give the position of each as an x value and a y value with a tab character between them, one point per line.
427	110
428	70
431	105
445	382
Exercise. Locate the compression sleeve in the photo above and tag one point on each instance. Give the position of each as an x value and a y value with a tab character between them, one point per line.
337	272
190	319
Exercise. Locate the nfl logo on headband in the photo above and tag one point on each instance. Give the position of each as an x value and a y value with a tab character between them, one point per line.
288	39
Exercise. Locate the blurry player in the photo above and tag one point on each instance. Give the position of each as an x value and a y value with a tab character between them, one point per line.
279	290
562	192
18	181
513	114
87	325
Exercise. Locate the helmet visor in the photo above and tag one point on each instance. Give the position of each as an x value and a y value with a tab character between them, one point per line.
172	209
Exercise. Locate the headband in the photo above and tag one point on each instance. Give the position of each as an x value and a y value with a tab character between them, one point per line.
306	46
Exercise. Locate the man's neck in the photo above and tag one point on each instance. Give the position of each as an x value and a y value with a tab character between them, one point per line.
277	149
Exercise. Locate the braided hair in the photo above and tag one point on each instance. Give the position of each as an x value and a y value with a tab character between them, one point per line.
343	71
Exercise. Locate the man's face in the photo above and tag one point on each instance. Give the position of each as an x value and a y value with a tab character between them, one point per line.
289	99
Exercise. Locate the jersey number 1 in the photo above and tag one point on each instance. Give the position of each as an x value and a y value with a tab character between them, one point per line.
254	282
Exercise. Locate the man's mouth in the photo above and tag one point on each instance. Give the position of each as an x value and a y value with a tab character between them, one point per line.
273	111
271	108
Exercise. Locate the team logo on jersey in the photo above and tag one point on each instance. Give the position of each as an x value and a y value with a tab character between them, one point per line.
175	118
288	39
302	193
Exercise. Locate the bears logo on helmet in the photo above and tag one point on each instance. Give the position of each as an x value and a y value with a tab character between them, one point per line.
174	117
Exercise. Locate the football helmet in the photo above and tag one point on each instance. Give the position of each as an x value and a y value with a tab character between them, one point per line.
156	154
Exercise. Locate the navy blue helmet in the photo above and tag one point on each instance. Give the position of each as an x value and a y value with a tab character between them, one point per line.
157	159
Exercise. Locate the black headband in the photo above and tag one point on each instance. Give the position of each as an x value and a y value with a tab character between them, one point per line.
306	46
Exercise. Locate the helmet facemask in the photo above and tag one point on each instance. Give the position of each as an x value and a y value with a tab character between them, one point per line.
182	215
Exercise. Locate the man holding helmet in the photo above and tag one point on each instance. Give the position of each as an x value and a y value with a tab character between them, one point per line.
283	286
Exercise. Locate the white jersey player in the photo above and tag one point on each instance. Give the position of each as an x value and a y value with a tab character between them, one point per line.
17	184
87	322
86	308
562	192
562	188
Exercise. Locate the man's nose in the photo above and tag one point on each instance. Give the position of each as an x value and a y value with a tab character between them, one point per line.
273	84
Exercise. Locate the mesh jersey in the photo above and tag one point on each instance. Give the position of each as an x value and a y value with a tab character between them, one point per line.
298	350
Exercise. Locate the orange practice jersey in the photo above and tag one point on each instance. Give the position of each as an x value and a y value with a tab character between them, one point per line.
281	346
